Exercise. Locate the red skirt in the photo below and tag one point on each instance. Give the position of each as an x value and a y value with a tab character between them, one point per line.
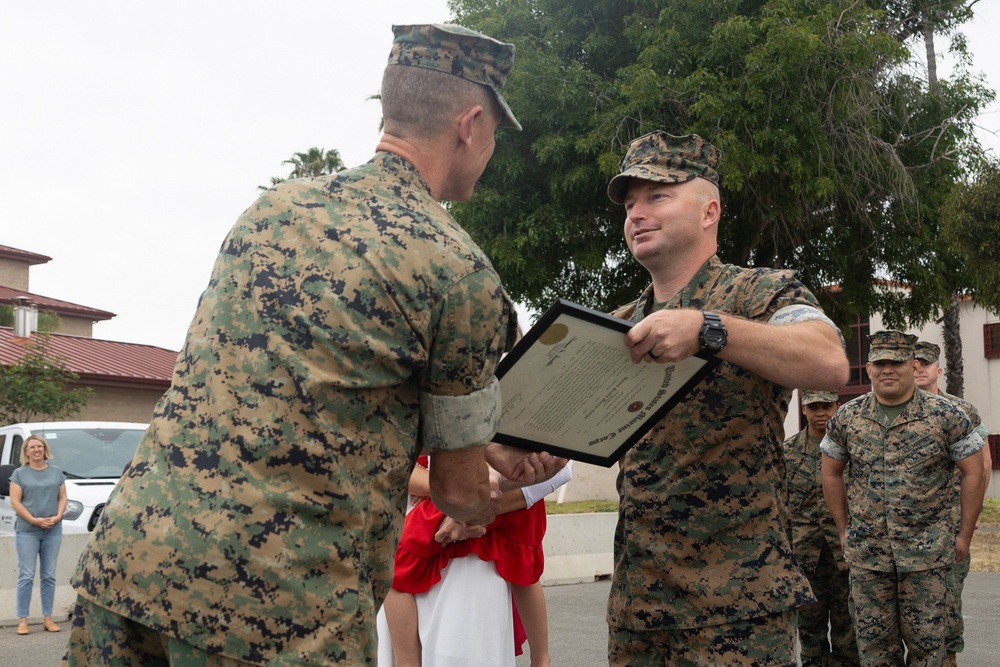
513	541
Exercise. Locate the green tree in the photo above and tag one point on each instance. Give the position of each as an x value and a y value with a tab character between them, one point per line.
312	163
923	20
822	124
971	227
37	387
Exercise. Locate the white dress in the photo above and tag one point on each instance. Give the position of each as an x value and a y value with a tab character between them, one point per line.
466	620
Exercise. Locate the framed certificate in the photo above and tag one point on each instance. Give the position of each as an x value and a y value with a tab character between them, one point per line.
569	387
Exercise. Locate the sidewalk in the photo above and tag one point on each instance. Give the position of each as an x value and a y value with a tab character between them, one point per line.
577	630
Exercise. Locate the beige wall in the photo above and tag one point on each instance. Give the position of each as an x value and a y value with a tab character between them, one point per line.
14	274
75	326
120	405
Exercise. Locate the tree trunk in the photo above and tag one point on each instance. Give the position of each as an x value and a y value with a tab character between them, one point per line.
955	377
951	325
932	78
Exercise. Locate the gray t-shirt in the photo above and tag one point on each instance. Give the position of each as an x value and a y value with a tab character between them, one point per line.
39	493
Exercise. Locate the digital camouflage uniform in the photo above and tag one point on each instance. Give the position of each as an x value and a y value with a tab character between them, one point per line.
348	321
900	538
816	545
701	538
954	641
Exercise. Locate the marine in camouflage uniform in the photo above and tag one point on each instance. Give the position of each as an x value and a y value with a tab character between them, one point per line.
896	448
348	322
928	370
826	633
704	572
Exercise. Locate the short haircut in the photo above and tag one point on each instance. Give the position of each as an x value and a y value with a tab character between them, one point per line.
24	448
417	101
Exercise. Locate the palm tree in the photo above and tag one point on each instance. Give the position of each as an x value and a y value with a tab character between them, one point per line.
312	163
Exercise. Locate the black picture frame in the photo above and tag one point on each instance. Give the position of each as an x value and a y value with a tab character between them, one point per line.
569	389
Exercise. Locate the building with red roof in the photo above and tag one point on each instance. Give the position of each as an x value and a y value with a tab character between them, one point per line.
128	379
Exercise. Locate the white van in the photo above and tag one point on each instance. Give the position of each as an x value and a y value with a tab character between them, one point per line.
93	456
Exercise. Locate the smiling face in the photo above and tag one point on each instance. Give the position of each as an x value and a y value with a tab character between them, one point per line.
892	381
34	451
669	221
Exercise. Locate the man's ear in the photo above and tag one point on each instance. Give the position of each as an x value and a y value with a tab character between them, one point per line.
467	123
712	212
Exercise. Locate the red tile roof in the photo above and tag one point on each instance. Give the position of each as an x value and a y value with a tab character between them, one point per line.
101	362
6	252
8	295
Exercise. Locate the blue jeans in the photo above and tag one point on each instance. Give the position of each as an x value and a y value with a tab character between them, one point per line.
33	547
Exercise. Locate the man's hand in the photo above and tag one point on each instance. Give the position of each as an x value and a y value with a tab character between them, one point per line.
665	336
961	548
523	467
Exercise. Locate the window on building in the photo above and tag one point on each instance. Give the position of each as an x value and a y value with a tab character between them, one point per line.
857	356
991	340
994	444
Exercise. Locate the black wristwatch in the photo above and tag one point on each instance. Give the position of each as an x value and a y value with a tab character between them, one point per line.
713	334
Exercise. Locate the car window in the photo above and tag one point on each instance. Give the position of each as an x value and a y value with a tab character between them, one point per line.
86	453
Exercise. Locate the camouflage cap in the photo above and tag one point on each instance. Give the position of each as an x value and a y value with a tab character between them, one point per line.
664	158
452	49
926	351
819	397
890	346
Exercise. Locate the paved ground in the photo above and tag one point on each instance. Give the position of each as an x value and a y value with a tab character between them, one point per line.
578	634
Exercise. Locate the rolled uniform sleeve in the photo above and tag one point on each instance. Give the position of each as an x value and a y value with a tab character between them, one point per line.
966	447
460	396
832	449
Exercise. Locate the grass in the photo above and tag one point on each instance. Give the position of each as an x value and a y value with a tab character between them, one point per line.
582	507
991	513
986	542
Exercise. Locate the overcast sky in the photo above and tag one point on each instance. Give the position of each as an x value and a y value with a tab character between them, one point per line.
133	134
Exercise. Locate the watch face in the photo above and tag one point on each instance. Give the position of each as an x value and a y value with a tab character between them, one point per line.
715	339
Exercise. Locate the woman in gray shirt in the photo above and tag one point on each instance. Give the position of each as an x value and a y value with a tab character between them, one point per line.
38	496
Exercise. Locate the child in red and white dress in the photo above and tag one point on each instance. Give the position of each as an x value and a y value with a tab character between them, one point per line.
468	595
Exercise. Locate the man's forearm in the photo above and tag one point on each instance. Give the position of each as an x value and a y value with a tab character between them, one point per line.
460	484
971	504
807	355
835	492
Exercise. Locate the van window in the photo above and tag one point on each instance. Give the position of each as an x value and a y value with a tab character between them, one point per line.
15	449
87	453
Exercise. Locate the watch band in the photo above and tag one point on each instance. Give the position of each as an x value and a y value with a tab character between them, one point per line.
713	334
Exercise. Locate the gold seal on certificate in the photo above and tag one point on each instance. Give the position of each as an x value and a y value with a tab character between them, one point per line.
569	387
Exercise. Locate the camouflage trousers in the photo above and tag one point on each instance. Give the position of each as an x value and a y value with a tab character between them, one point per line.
102	638
954	640
768	641
891	609
831	612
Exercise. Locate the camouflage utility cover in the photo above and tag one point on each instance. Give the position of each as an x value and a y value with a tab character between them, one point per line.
899	478
456	50
701	537
890	345
260	516
812	523
926	351
665	158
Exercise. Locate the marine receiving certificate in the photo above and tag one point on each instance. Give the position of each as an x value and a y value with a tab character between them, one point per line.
569	387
